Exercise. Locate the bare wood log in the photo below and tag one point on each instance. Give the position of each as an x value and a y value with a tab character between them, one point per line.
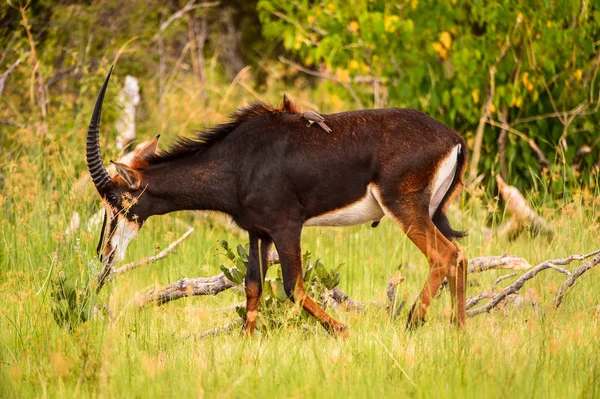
517	285
151	259
187	287
505	261
568	283
522	214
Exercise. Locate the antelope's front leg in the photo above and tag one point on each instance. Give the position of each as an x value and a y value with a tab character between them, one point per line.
290	257
255	277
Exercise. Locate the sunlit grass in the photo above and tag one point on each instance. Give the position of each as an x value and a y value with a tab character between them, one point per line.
513	351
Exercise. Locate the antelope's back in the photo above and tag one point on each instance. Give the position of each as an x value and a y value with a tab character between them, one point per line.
331	169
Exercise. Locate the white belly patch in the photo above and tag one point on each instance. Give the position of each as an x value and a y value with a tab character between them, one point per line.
443	179
366	209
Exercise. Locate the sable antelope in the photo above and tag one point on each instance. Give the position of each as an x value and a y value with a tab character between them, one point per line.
274	175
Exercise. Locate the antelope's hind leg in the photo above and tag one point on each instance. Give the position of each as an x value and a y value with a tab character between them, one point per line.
441	253
255	277
290	257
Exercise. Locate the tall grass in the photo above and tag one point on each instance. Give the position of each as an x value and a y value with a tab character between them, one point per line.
516	351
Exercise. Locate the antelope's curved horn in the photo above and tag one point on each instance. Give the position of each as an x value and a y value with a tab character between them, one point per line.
92	151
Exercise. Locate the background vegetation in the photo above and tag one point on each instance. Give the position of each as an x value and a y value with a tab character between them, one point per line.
517	79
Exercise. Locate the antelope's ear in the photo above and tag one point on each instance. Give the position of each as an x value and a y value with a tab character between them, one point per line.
147	149
131	177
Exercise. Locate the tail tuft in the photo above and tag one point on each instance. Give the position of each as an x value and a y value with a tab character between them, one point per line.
439	217
443	225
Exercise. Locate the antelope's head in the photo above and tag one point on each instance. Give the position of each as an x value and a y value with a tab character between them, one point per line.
122	195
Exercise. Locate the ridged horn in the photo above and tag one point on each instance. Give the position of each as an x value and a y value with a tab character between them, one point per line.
92	150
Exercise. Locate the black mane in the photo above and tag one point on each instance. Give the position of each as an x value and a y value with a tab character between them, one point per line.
204	139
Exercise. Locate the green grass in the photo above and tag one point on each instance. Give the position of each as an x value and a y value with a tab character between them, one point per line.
158	352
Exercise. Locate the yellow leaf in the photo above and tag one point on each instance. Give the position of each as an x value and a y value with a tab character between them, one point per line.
492	108
353	26
342	74
310	19
475	95
442	52
353	64
414	4
446	39
578	74
390	23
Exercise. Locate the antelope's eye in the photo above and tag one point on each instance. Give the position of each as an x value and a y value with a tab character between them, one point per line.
112	198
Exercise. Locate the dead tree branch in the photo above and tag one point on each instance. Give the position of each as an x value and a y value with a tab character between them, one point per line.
189	6
151	259
187	287
522	214
568	283
4	76
347	85
505	261
108	269
474	300
517	285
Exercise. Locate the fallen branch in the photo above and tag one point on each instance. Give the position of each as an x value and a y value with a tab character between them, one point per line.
517	285
568	283
187	287
505	261
522	214
108	269
474	300
151	259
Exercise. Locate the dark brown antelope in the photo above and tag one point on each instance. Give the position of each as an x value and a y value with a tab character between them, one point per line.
274	174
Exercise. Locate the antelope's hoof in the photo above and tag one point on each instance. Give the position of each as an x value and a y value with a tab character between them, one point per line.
413	321
340	330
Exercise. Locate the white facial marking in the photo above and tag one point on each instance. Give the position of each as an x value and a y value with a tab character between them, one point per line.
443	179
124	233
366	209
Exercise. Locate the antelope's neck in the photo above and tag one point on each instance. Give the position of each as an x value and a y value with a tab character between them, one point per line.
192	183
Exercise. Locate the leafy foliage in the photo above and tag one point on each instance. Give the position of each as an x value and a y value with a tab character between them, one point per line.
316	276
